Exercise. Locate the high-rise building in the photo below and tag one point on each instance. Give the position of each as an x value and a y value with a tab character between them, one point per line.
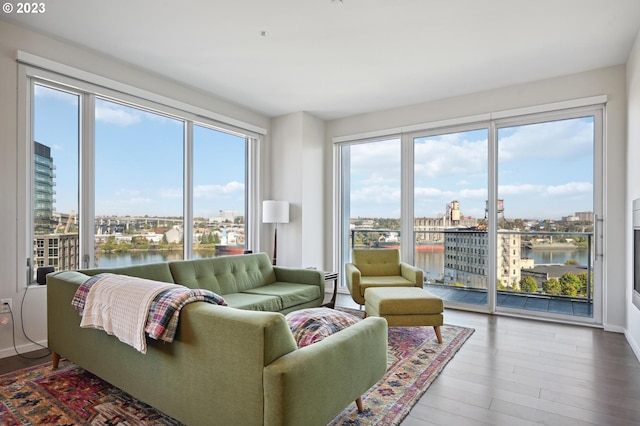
43	222
59	249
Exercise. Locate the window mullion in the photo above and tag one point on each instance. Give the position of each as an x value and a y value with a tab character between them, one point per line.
187	222
86	216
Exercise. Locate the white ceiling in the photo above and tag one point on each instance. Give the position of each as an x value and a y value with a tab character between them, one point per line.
337	59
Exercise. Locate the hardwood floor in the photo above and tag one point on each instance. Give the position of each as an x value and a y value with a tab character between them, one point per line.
17	362
516	372
520	372
524	372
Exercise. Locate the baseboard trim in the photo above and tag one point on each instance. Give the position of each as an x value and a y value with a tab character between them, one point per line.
22	349
635	347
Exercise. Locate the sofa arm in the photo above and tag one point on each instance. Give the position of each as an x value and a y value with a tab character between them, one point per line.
412	273
312	385
300	276
352	277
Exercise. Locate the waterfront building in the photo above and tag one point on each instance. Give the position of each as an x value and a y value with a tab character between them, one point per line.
466	258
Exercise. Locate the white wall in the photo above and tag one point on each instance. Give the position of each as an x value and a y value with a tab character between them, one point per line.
608	81
12	39
633	188
297	176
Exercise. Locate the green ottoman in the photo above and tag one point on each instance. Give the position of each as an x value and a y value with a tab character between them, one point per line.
405	307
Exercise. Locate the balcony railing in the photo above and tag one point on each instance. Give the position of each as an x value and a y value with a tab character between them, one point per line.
560	263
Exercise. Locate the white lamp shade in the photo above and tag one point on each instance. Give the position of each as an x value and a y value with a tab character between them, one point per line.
275	211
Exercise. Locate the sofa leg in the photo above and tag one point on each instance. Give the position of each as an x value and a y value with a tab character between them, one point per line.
438	334
359	405
55	360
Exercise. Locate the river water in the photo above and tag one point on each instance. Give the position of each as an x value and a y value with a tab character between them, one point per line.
431	262
113	260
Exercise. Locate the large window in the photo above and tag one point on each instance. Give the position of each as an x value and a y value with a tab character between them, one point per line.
219	202
54	179
115	180
547	221
138	185
450	193
371	195
503	212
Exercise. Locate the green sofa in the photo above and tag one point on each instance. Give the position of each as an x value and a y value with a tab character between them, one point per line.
228	365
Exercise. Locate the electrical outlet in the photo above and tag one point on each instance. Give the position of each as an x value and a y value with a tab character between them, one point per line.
6	302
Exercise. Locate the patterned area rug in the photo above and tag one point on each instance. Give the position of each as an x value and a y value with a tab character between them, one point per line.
73	396
69	396
415	359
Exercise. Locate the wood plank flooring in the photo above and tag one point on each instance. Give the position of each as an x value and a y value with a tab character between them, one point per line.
516	372
520	372
523	372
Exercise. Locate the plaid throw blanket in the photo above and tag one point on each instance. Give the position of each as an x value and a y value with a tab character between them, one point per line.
165	310
162	321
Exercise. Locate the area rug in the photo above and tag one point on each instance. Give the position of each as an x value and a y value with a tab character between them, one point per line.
70	396
415	359
73	396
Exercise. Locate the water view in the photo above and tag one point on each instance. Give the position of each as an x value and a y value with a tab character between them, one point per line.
431	262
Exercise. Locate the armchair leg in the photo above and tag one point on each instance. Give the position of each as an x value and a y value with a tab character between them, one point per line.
359	405
438	333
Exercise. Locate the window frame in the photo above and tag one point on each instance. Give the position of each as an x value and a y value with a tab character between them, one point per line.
33	70
595	106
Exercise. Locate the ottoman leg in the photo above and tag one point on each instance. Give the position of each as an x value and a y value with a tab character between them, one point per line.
359	405
438	334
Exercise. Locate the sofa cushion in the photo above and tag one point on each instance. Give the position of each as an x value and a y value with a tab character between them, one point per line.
291	294
314	324
226	274
253	302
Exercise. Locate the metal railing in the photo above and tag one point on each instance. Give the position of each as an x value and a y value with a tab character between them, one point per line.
467	255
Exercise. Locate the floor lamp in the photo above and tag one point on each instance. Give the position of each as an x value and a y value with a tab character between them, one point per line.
275	212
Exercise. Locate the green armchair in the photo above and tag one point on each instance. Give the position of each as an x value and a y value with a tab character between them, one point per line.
379	268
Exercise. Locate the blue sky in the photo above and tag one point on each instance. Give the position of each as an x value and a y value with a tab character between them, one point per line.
544	171
139	159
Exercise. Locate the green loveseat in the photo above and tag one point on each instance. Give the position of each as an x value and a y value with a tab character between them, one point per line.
228	365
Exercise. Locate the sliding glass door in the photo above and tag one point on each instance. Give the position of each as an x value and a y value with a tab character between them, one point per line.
546	182
449	224
500	215
370	196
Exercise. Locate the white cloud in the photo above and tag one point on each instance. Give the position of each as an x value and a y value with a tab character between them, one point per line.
557	140
571	188
116	114
174	193
567	189
448	155
213	191
377	195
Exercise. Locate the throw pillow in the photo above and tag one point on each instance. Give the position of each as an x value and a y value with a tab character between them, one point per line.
314	324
